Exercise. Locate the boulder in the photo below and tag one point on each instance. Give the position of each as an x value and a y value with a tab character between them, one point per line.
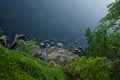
59	45
42	45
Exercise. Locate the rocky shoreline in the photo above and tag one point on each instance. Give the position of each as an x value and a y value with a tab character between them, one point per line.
54	54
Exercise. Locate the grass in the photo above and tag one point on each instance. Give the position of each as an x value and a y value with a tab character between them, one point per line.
19	66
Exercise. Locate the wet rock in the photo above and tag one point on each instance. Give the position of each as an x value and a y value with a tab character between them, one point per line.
76	42
80	47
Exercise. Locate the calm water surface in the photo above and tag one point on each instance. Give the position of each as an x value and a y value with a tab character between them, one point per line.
55	20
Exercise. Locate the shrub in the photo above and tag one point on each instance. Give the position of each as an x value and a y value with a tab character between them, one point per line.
89	69
115	71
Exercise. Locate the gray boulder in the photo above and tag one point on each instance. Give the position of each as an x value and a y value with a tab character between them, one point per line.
59	45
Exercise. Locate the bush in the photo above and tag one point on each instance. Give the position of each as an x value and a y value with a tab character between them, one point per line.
115	71
89	69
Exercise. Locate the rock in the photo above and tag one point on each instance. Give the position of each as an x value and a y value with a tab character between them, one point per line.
59	45
76	42
3	40
61	51
15	42
37	53
42	45
54	54
78	52
48	45
46	41
19	37
52	44
49	53
59	55
21	43
61	59
44	56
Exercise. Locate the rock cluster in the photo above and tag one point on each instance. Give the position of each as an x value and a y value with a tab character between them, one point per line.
53	54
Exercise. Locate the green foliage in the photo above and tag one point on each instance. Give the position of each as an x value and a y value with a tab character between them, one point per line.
98	41
26	47
89	35
29	47
115	71
104	41
89	69
17	66
113	12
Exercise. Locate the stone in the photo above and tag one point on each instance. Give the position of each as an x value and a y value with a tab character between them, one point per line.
15	42
3	40
22	43
44	56
59	45
52	54
19	37
42	45
56	55
52	44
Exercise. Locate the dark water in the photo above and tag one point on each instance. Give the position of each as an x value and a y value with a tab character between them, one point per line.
55	20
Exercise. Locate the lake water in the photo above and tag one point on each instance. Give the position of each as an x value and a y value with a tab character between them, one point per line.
54	20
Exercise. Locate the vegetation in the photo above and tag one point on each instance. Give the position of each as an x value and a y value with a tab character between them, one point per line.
18	66
101	61
89	69
21	66
104	41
